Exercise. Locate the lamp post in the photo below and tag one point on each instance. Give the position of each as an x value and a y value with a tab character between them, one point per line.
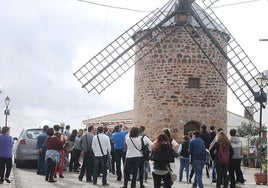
261	97
7	112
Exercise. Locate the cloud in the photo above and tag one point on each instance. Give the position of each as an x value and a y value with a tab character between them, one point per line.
42	43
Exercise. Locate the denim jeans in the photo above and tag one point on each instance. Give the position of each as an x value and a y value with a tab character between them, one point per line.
184	164
100	163
120	154
214	175
41	163
87	167
198	166
221	170
131	165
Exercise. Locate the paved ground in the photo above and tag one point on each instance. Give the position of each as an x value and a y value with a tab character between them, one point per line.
27	178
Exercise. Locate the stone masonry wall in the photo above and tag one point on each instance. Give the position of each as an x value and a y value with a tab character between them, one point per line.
162	98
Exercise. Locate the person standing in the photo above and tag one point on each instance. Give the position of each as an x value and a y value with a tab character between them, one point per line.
101	147
212	134
162	155
184	158
77	149
221	149
205	136
133	156
71	141
41	148
119	137
144	163
88	155
54	145
197	152
59	166
235	162
5	155
173	142
67	131
110	162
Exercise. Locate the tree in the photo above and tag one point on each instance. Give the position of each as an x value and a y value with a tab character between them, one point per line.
248	130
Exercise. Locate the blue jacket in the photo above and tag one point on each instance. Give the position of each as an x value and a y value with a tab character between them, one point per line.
197	149
41	140
6	144
119	139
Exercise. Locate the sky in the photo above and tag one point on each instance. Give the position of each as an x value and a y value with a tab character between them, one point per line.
42	43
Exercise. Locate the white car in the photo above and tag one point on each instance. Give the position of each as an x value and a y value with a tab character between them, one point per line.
25	149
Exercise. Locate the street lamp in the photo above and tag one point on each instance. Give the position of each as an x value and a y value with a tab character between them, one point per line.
261	97
7	112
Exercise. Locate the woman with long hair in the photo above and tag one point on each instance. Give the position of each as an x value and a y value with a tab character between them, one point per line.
133	156
162	155
221	152
173	142
54	145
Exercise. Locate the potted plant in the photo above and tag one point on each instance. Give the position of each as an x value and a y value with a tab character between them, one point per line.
261	159
248	130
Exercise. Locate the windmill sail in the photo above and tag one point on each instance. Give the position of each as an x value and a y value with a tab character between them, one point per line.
120	55
241	72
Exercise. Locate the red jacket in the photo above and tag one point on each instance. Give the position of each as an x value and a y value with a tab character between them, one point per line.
54	143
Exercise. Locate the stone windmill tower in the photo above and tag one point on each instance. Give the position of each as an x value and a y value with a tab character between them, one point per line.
185	59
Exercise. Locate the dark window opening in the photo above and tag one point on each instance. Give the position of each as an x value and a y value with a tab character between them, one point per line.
194	82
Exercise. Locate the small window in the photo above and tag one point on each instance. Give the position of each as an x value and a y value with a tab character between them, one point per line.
194	82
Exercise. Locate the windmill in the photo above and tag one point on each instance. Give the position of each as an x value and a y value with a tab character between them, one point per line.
185	59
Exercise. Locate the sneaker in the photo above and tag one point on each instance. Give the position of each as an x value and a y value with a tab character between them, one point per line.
105	184
1	181
7	180
52	181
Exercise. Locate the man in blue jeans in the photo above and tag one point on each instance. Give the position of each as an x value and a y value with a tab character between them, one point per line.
197	151
101	147
41	148
184	158
119	137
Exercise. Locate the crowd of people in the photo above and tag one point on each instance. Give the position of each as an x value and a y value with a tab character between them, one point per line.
92	153
214	151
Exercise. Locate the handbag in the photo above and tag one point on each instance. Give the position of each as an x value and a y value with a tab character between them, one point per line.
144	149
172	174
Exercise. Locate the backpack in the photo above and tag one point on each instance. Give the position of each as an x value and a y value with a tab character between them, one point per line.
223	154
145	150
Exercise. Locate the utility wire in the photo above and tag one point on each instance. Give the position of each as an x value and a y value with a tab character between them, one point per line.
114	7
238	3
135	10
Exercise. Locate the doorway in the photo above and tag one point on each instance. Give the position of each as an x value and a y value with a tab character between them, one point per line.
191	126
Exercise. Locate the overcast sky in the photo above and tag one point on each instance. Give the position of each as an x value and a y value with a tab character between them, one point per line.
42	43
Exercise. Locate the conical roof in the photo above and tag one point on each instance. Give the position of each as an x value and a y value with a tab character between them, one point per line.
183	7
